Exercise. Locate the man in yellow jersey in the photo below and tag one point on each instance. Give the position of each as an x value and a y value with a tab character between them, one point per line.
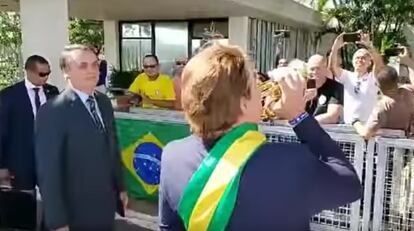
155	89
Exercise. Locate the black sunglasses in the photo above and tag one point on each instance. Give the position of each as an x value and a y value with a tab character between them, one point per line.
44	74
149	66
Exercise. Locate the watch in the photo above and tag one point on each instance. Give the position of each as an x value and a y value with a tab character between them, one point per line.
298	119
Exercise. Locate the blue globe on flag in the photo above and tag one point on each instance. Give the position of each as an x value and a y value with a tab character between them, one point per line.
147	162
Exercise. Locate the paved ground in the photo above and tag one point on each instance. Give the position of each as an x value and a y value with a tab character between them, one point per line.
141	216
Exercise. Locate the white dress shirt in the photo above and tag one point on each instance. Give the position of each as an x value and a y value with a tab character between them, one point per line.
32	94
84	97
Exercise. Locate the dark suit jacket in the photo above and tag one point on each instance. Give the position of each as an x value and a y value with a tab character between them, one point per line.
281	187
16	134
79	167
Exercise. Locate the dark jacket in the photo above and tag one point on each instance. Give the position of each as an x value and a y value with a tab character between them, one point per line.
79	166
282	186
17	134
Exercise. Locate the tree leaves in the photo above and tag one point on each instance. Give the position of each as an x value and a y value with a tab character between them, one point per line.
89	32
80	31
384	19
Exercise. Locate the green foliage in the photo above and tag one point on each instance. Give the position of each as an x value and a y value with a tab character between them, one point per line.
89	32
80	31
383	19
122	79
10	53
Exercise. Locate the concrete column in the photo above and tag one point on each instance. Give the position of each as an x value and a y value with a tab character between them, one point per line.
239	32
45	32
111	35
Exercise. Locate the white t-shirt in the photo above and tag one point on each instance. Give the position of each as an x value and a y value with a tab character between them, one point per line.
360	95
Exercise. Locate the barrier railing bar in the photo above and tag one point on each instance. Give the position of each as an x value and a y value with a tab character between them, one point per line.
369	178
358	165
379	187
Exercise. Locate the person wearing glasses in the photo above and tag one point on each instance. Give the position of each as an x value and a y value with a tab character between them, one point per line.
77	153
153	89
222	176
19	105
394	110
361	90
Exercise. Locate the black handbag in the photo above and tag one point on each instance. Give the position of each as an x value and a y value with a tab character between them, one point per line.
17	209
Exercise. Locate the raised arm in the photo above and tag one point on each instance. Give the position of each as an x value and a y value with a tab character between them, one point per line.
377	59
333	63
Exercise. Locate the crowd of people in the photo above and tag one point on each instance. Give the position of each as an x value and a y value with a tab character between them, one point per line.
66	144
369	97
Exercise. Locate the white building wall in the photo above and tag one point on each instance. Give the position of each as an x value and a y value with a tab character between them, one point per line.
239	32
111	37
45	32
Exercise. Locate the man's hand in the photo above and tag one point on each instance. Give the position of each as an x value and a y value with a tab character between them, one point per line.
310	94
365	40
292	102
5	178
405	56
146	99
123	196
66	228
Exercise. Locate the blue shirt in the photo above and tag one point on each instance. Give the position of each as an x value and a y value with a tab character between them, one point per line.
282	186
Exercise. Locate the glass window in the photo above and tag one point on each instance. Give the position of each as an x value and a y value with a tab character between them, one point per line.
200	28
136	30
195	44
133	50
171	42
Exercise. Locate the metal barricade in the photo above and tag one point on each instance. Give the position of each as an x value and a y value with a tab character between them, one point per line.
347	217
394	185
384	165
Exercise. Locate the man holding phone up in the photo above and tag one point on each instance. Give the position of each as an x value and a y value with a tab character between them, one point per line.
324	96
360	86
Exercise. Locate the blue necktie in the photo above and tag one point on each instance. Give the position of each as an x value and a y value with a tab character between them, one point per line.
92	107
37	98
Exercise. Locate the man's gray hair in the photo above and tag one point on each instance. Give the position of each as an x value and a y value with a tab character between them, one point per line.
68	49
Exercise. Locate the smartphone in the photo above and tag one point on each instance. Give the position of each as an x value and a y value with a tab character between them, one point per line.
352	37
395	51
282	33
310	84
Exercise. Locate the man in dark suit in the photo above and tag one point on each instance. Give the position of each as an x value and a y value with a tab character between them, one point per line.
19	104
79	164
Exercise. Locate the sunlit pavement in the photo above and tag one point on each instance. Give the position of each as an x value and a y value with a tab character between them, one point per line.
141	216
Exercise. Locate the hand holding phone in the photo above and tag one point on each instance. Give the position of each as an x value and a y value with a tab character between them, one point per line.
395	51
351	37
310	84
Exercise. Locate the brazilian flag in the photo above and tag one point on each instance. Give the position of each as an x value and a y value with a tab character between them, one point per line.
142	142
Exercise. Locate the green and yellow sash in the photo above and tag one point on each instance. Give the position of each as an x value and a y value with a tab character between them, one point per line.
209	198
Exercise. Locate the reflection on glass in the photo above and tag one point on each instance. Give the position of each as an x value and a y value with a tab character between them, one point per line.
171	42
136	30
199	28
195	44
133	51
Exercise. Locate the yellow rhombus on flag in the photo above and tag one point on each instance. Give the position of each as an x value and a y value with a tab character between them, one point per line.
143	159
